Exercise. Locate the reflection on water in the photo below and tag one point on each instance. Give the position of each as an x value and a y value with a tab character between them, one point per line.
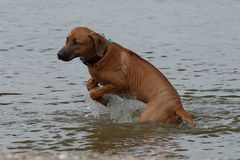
44	104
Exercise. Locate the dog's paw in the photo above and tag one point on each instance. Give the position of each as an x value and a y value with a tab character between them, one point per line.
91	84
95	97
103	101
93	94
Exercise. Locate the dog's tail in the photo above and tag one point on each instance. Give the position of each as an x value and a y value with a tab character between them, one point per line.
186	116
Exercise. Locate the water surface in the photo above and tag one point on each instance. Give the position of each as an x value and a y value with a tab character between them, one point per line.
44	104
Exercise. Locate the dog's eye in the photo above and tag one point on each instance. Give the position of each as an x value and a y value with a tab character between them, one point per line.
75	41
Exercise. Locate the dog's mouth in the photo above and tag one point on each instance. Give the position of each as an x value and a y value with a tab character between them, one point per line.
63	57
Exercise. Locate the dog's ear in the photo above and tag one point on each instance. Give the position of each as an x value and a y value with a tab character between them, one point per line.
100	43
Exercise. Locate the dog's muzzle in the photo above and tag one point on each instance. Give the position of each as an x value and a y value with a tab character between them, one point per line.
62	56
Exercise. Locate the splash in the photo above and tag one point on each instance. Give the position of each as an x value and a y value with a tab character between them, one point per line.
119	110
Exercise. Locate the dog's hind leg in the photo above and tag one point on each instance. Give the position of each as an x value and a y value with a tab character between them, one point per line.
165	114
153	113
186	116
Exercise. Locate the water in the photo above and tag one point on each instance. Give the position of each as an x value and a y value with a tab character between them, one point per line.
44	104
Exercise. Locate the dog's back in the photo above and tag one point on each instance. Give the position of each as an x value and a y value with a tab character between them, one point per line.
148	84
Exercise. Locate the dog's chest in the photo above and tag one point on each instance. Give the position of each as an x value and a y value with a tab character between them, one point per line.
98	75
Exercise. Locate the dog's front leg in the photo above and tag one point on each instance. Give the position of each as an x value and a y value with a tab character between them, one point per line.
97	93
91	84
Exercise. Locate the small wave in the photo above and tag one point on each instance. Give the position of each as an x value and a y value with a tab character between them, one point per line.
10	94
3	50
45	50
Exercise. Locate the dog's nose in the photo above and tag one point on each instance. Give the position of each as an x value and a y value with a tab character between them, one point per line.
60	54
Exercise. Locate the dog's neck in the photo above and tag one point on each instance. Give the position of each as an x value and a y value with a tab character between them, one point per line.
92	61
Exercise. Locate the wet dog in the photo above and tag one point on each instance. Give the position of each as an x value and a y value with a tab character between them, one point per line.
117	70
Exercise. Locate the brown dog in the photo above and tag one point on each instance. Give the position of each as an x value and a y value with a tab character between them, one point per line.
120	71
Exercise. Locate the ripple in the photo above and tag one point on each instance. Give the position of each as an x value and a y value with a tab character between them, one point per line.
58	90
181	150
27	112
25	102
5	104
30	49
19	46
48	117
25	142
149	52
233	79
166	44
163	56
203	70
72	84
48	87
59	77
8	77
35	130
230	96
149	57
57	103
66	102
10	123
164	68
10	94
197	75
3	50
181	69
46	50
200	64
187	59
233	90
58	29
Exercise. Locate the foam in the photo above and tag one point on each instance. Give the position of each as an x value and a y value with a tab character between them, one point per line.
119	110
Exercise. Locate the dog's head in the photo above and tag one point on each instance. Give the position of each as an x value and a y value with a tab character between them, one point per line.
83	43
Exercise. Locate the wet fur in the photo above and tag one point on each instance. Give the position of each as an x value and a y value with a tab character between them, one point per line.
121	71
